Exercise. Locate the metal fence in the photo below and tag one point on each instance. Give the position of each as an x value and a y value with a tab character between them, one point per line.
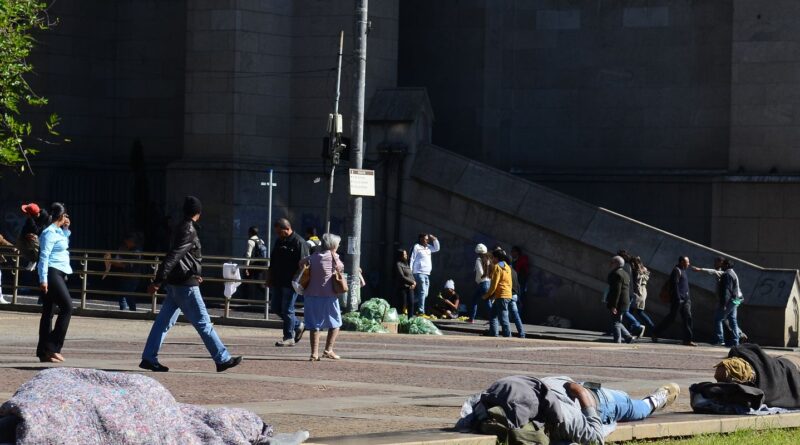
92	270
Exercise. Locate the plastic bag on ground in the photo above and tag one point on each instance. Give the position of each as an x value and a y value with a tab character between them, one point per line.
391	316
416	325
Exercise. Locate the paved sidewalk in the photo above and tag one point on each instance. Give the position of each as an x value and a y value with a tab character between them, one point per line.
385	383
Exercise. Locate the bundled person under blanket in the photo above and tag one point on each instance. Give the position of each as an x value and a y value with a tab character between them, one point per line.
524	410
446	303
749	381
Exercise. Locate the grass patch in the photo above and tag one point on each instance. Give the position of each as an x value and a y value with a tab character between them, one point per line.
742	437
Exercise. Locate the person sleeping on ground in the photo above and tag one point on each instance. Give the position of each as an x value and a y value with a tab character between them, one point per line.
524	410
89	406
749	381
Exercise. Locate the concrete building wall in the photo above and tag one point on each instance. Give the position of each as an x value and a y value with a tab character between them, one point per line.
765	87
581	85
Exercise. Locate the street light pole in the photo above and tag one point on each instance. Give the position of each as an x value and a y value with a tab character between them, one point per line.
269	184
357	151
334	135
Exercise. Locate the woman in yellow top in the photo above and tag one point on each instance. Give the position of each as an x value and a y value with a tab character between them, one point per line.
499	293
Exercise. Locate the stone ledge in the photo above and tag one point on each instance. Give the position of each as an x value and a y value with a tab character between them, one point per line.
423	437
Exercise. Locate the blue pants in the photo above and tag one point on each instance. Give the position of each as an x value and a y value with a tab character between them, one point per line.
632	321
643	316
617	406
477	298
186	299
499	312
421	291
283	300
729	314
514	311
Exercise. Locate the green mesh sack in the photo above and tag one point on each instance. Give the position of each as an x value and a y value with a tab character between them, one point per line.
352	321
422	326
391	316
372	326
402	324
374	309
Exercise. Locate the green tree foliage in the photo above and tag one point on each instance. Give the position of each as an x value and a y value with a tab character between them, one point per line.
19	21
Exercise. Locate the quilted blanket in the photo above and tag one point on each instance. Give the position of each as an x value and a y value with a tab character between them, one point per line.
88	406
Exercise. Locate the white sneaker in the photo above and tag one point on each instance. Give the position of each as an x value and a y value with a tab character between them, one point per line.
3	300
664	396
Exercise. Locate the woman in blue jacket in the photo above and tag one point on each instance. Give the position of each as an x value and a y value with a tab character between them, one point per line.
53	270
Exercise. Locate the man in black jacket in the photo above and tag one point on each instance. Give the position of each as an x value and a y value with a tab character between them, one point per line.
289	249
181	270
618	298
680	302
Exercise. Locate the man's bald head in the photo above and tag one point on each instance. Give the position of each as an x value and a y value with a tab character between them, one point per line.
283	228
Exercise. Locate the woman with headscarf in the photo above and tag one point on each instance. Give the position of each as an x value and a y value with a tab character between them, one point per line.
53	269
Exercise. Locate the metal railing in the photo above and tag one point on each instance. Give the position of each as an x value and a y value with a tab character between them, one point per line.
93	263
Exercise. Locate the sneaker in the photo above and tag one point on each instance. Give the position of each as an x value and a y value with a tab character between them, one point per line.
3	300
640	334
150	366
689	343
664	396
298	333
630	340
285	343
231	363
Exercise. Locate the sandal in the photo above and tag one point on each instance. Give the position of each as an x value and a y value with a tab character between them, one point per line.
313	358
331	355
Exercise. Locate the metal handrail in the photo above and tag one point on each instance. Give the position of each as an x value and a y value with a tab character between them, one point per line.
85	257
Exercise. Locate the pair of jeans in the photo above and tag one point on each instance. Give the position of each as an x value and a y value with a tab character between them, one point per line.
421	291
684	307
405	299
633	322
514	311
617	406
127	302
186	299
499	312
729	314
644	316
617	328
283	300
51	338
477	298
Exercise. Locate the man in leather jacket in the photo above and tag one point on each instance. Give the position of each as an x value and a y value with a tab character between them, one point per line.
181	270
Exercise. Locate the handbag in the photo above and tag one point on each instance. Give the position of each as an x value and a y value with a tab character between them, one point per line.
301	279
339	282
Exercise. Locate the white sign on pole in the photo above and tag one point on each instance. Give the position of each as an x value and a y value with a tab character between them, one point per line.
362	182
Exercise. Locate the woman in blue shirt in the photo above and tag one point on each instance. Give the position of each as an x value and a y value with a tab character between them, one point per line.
53	269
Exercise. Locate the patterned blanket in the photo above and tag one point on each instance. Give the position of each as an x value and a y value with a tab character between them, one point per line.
88	406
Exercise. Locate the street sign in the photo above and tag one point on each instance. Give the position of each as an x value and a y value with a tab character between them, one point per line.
362	182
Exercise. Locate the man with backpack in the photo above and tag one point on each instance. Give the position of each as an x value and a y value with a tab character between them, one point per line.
256	248
680	301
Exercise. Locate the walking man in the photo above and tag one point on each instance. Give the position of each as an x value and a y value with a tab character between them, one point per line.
730	297
619	283
421	266
181	270
678	287
289	249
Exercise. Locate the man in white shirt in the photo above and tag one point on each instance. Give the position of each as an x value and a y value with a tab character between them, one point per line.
421	266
